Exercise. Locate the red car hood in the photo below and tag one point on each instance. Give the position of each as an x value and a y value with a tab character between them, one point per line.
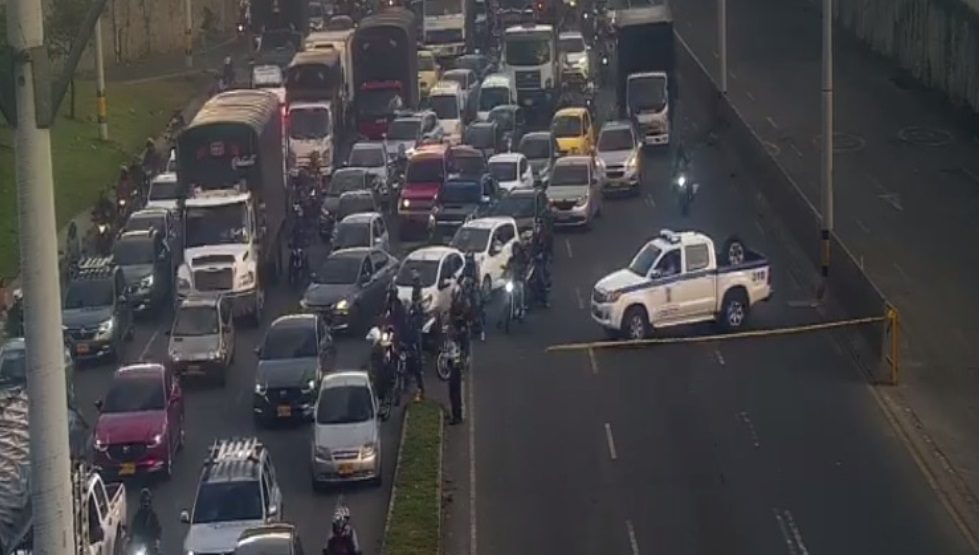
421	191
373	129
129	427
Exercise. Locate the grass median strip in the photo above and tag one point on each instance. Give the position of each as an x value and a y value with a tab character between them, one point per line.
413	522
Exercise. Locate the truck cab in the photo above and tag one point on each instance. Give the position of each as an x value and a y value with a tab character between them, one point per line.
316	96
531	57
424	177
447	26
497	89
311	130
647	104
448	102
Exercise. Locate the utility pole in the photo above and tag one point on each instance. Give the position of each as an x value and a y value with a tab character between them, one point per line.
722	44
827	146
188	33
103	107
51	495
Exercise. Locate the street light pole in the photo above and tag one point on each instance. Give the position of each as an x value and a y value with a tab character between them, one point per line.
827	146
102	105
51	492
188	34
722	44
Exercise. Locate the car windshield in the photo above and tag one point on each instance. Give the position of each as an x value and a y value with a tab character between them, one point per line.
228	502
164	190
503	117
13	366
426	63
195	321
647	93
427	271
471	239
569	174
339	270
87	293
352	203
309	123
503	171
216	225
143	222
456	77
404	129
615	139
134	394
644	260
492	97
289	341
469	165
461	192
367	157
445	106
536	148
378	102
566	126
571	45
344	404
133	252
480	136
352	235
527	51
429	170
516	206
344	181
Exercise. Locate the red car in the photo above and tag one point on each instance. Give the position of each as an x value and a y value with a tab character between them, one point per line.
141	421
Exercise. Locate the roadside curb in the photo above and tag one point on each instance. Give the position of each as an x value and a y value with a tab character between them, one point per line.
438	487
394	483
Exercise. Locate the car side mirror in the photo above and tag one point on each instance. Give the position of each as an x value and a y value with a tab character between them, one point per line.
98	405
655	273
443	283
273	510
486	199
185	517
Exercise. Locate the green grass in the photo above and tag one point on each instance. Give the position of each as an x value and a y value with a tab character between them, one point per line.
413	528
83	165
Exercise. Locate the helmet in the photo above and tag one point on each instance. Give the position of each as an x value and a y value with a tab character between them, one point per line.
227	60
145	497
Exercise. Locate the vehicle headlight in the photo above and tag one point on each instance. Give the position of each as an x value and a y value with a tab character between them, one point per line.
248	279
260	389
156	441
343	305
386	339
581	202
215	355
303	304
101	445
431	220
509	287
582	63
146	282
613	296
105	328
323	452
632	162
309	386
406	203
427	302
368	450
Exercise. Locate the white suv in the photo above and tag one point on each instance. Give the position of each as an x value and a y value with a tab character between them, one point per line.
491	242
439	269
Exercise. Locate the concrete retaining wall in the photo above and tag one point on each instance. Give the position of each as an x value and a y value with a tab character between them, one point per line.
857	293
937	41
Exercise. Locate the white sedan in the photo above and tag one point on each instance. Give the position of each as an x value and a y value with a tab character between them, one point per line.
491	242
511	170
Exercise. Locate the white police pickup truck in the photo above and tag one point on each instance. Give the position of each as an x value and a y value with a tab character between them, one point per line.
675	279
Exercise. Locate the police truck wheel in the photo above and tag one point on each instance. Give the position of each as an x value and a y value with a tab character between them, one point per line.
734	310
635	323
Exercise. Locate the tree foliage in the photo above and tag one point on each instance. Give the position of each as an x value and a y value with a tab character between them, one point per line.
60	30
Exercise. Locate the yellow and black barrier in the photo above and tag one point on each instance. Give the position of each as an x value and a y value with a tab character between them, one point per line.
890	320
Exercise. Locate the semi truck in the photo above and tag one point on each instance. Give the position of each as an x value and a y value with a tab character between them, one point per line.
531	58
316	100
385	76
231	161
645	60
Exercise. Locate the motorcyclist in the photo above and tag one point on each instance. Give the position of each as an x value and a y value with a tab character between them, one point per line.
343	539
416	322
470	280
145	529
461	316
228	73
681	161
394	314
516	268
124	189
151	158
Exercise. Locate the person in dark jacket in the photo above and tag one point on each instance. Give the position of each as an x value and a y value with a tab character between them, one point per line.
146	529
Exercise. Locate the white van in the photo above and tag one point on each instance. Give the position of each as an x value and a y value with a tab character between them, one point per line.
448	102
497	89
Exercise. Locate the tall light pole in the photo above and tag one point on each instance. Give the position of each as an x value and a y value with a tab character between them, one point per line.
188	34
826	174
722	44
51	495
102	104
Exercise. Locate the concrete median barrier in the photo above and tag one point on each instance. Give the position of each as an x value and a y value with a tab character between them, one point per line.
849	284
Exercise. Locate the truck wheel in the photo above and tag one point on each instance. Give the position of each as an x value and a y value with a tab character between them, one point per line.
734	251
734	310
635	323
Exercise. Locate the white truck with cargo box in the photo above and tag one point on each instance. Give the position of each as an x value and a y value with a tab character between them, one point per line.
679	278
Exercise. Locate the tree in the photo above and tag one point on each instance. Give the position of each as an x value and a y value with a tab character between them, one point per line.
6	69
60	28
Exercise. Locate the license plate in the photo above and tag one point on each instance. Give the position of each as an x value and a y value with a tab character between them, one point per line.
194	368
82	348
284	411
562	217
345	469
127	469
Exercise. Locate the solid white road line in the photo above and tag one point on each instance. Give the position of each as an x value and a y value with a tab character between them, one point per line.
751	428
471	416
771	121
593	362
579	298
790	532
901	271
610	441
719	357
862	225
749	95
149	343
567	245
632	537
796	150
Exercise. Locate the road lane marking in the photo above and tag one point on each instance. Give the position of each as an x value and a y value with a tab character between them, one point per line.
733	76
471	416
771	121
632	537
760	228
901	271
567	245
579	298
749	95
593	362
862	225
719	357
716	55
650	201
751	428
149	343
893	199
795	149
790	532
610	441
877	183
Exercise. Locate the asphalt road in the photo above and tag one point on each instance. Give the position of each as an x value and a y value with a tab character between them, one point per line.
906	187
771	445
216	413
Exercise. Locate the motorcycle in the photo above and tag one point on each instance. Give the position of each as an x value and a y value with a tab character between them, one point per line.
685	190
396	363
511	311
138	547
326	223
450	355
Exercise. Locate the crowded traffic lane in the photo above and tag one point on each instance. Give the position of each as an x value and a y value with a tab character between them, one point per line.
646	449
222	412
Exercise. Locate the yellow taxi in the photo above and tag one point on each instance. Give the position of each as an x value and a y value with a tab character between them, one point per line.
574	131
428	71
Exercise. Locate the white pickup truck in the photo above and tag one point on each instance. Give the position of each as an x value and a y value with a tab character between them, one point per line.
676	279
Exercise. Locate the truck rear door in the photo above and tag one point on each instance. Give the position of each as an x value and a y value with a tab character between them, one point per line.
697	295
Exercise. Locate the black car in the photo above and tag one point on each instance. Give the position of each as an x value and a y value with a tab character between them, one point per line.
342	181
296	353
147	266
461	199
355	202
512	122
160	219
481	64
485	136
540	148
523	205
348	290
96	313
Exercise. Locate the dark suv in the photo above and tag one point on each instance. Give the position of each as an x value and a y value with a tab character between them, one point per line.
147	266
96	313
